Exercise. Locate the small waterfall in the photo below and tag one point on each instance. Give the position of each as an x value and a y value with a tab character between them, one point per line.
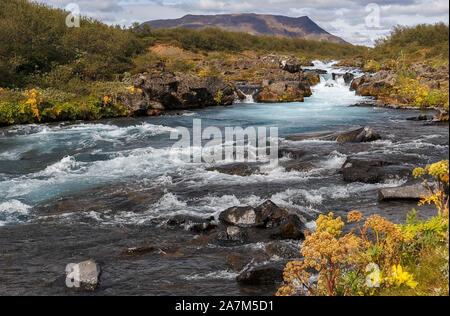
248	99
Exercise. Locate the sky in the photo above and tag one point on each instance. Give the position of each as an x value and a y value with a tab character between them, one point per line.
357	21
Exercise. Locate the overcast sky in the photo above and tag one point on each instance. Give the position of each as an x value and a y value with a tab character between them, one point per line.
354	20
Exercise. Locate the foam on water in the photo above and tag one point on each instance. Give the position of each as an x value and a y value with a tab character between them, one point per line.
13	211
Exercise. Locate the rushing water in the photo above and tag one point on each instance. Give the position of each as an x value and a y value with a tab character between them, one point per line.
71	191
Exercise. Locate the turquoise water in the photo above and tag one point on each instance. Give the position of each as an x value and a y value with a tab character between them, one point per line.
42	162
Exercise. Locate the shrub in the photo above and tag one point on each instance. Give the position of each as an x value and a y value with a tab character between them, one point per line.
378	257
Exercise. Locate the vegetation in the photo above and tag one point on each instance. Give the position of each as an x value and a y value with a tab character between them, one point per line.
378	257
216	40
79	66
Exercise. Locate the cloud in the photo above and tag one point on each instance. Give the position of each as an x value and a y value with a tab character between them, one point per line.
345	18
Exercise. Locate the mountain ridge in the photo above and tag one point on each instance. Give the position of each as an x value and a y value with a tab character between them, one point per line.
256	24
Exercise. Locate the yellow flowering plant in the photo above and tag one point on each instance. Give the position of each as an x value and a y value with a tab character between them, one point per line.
377	257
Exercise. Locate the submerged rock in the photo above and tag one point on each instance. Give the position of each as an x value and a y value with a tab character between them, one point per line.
367	170
422	117
85	275
262	275
412	192
138	251
237	169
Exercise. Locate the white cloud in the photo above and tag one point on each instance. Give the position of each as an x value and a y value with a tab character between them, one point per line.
344	18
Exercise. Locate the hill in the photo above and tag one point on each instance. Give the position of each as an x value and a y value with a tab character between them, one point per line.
276	25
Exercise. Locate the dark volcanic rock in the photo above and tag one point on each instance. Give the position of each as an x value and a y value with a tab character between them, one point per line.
263	275
368	170
263	223
169	91
245	216
412	192
348	77
362	135
283	250
237	169
422	117
138	251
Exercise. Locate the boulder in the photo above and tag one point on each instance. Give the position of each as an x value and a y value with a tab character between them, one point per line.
285	250
378	84
367	170
264	223
237	169
362	135
84	275
421	117
262	275
168	91
348	77
411	192
292	65
242	217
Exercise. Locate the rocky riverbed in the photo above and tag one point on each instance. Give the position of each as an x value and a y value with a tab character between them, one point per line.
157	225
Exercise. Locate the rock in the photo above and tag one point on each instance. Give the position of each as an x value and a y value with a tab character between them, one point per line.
412	192
237	169
283	250
236	234
290	231
263	275
348	77
169	91
85	275
235	261
263	223
283	87
291	153
138	251
362	135
203	228
422	117
301	166
367	170
272	214
292	65
242	217
375	85
442	116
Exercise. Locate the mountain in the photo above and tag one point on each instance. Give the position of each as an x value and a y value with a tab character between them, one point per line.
302	27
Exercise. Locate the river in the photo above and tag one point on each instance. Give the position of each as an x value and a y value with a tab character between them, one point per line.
74	191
